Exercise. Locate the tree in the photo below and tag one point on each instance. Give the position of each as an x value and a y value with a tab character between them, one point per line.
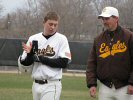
74	16
78	17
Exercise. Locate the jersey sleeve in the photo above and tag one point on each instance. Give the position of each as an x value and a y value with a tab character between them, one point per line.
64	51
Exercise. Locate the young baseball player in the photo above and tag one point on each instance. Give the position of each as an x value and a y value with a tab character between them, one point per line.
48	52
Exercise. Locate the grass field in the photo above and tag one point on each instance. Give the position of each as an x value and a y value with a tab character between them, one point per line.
18	87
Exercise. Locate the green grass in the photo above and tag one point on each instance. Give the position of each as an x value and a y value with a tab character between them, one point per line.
18	87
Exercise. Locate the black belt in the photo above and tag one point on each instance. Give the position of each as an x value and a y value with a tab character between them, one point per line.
43	81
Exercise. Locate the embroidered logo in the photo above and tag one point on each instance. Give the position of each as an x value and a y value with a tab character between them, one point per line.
116	48
49	51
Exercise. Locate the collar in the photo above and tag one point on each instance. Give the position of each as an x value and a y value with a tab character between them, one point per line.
115	31
48	36
112	33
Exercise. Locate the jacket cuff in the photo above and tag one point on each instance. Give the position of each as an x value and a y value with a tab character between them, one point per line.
91	85
129	83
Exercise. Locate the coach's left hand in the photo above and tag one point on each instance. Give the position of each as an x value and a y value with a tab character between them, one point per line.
130	89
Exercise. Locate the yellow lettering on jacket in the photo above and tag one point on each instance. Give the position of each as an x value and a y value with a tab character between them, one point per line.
116	48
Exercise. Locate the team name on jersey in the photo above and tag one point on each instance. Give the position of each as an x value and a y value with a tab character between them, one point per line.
48	51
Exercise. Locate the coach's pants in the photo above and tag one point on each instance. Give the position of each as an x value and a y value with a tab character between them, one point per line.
106	93
49	91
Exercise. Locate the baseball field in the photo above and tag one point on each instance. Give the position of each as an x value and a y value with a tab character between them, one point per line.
18	87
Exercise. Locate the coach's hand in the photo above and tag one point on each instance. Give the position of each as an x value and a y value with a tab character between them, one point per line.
130	89
93	91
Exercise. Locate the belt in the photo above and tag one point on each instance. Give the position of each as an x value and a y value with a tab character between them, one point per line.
45	81
41	81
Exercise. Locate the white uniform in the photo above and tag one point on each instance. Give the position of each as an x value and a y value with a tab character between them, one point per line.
55	47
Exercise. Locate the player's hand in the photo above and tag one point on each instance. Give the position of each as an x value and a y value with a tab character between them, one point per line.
26	48
93	91
130	89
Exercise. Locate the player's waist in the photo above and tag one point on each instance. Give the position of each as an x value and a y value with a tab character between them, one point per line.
46	81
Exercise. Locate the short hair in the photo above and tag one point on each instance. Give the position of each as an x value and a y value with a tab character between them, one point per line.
51	16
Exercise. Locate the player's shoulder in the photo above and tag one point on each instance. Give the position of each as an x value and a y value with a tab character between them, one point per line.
34	36
59	35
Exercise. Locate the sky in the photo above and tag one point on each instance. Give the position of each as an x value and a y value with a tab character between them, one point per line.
11	5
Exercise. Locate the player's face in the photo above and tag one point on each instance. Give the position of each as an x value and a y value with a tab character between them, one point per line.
110	23
50	27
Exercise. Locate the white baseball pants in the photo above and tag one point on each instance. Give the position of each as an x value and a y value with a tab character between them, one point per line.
49	91
106	93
